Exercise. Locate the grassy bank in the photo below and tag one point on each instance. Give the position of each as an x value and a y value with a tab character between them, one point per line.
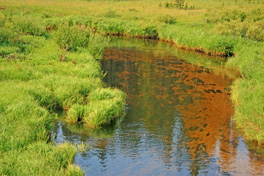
227	28
49	61
43	72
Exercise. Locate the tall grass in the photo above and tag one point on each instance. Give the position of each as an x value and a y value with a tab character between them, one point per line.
42	72
48	61
40	158
247	93
105	104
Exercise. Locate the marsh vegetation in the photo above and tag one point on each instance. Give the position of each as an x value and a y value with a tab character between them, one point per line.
49	61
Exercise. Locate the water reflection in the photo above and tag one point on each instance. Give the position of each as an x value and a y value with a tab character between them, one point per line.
178	120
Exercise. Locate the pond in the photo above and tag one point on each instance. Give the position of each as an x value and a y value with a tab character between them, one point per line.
178	121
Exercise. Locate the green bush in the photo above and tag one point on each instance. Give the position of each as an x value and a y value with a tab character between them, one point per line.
150	31
240	23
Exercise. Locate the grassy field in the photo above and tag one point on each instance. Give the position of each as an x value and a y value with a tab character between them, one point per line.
43	72
49	56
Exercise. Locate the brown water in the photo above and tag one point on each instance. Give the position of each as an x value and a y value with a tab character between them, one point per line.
178	122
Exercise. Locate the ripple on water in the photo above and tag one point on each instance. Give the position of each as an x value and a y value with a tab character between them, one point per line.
178	119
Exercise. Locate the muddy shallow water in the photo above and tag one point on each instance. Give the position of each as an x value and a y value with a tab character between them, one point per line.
178	122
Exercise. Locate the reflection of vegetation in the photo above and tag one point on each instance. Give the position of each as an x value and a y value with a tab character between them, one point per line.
43	70
215	64
162	90
83	147
224	27
107	131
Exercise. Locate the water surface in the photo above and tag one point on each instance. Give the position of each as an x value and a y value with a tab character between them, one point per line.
178	122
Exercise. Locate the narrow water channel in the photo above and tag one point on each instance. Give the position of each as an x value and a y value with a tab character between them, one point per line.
178	122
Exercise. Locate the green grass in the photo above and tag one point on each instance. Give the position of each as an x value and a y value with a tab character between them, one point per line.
49	61
40	158
105	104
42	73
247	93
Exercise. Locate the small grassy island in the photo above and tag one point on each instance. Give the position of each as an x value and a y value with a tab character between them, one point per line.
49	62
